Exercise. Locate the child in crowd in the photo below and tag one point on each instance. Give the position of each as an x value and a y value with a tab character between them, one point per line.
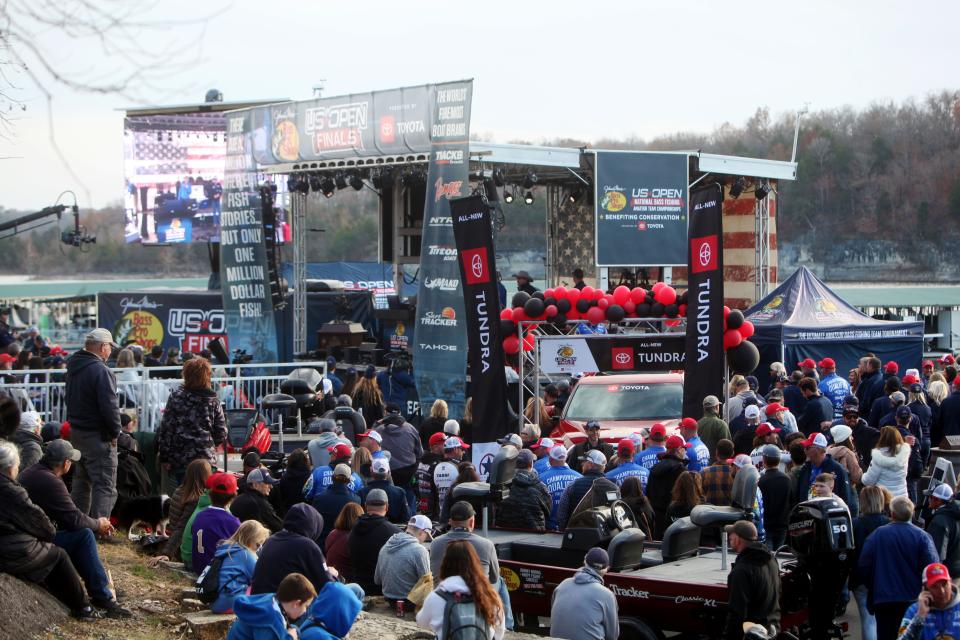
239	553
272	615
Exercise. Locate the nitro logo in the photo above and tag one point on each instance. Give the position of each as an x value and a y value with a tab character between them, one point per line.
448	190
444	284
703	254
475	263
448	253
440	221
448	156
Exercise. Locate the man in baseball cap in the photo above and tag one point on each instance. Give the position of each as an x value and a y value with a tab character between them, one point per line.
557	478
592	466
819	462
403	560
833	387
568	610
253	503
753	583
711	428
398	510
511	439
699	456
541	448
808	367
944	526
927	370
655	441
663	475
626	467
369	535
426	487
936	613
593	442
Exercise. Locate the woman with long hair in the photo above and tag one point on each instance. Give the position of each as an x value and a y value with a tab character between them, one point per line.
183	502
937	392
239	553
193	423
439	413
536	413
349	382
843	451
336	546
888	463
687	493
360	463
461	573
466	472
466	422
367	398
127	378
872	517
631	492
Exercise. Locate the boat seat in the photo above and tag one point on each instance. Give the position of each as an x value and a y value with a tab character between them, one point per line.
708	515
680	540
471	490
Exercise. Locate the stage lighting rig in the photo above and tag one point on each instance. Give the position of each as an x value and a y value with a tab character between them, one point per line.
356	181
761	190
529	180
508	195
341	180
574	195
528	197
328	186
315	182
737	187
293	183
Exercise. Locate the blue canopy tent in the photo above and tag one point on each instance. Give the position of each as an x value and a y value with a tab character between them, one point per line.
804	318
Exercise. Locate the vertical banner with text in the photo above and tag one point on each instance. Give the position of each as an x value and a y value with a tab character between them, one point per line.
473	233
245	282
705	362
439	350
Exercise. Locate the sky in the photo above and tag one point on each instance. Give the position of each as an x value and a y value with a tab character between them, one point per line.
542	69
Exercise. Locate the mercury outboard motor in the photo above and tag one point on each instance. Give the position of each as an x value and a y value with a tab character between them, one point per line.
820	532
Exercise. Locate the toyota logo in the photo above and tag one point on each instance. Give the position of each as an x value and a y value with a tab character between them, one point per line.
476	265
705	254
623	358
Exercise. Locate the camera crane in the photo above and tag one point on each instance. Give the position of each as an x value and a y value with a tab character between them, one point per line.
75	237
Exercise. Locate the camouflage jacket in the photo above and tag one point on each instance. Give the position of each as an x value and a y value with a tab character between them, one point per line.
192	426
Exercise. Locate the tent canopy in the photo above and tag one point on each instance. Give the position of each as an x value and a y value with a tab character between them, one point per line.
804	318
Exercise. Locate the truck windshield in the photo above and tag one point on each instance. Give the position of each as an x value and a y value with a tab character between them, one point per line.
626	402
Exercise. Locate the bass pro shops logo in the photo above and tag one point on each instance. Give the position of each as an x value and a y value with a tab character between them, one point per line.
566	356
475	265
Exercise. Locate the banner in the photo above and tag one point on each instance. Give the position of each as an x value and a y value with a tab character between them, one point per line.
706	363
439	352
641	209
612	353
478	274
244	275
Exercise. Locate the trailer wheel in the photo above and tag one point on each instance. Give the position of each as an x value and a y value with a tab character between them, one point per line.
636	629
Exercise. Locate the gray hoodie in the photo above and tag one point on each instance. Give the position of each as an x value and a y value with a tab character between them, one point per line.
584	609
319	456
401	563
402	440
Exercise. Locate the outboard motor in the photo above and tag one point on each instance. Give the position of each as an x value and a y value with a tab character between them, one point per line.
820	532
303	384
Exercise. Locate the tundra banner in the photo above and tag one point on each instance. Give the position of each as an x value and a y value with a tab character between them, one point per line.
641	209
440	348
647	352
705	361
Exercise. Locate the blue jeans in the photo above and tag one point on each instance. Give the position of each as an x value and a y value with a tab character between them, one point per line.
868	624
357	590
81	546
505	598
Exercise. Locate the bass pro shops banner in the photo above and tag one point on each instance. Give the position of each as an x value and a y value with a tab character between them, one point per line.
439	350
245	282
478	275
705	360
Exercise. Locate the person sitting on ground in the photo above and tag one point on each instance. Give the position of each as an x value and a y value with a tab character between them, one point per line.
293	549
322	477
403	560
27	549
332	613
272	615
330	503
936	613
251	460
254	504
337	545
214	523
239	559
182	504
462	521
398	511
289	491
582	607
461	574
75	529
717	479
368	536
128	426
632	493
528	505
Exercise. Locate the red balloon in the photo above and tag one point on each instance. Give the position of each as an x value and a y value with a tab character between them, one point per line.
629	307
587	292
551	310
746	329
598	293
529	342
573	295
683	310
506	314
560	293
596	315
511	344
573	314
518	314
638	295
548	293
658	286
666	295
731	339
726	312
621	294
603	303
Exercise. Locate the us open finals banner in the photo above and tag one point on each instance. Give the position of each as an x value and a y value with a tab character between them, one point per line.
478	275
705	366
440	345
247	305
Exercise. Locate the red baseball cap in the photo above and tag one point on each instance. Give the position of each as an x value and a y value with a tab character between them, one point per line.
934	573
340	451
928	363
658	432
766	429
909	379
891	367
677	442
827	363
688	423
816	440
772	408
225	483
947	358
437	438
807	364
626	446
6	357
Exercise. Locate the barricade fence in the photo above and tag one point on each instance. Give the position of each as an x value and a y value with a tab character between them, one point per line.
145	390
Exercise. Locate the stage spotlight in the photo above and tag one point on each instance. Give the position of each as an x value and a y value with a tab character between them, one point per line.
737	187
292	183
356	181
508	196
574	195
303	185
528	197
315	181
341	181
490	190
328	187
761	190
529	180
498	178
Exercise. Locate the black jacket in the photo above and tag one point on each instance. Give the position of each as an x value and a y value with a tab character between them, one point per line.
869	389
743	439
865	439
572	496
26	535
289	491
528	505
91	395
793	398
428	427
253	505
367	538
777	490
950	415
428	503
660	487
329	503
575	459
819	409
754	588
293	549
805	479
397	510
49	492
944	528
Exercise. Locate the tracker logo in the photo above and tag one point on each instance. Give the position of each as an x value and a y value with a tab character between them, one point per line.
448	253
448	190
475	265
704	253
621	357
446	318
448	156
629	592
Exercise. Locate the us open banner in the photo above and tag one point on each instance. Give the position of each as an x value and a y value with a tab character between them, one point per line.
705	358
439	350
641	209
245	282
478	274
612	354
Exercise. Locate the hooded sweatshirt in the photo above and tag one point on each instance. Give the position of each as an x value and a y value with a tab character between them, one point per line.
236	573
584	609
331	615
528	505
319	456
401	563
754	587
368	537
259	617
430	616
401	439
888	470
938	624
186	544
944	528
28	441
91	395
293	549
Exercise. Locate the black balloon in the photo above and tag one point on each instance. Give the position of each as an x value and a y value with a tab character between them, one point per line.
549	301
651	297
560	320
507	327
537	294
672	310
615	313
533	307
519	299
682	298
563	306
744	358
643	310
656	310
583	305
735	319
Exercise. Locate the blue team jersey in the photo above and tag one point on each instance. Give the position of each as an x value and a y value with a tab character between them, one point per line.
541	465
698	455
648	457
557	479
835	389
628	470
322	477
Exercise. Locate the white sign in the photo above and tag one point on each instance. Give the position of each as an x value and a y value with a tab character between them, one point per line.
566	354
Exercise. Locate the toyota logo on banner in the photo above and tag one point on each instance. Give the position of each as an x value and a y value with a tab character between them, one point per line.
705	254
704	250
475	265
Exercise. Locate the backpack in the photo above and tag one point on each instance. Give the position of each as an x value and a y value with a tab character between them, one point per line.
461	620
208	584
